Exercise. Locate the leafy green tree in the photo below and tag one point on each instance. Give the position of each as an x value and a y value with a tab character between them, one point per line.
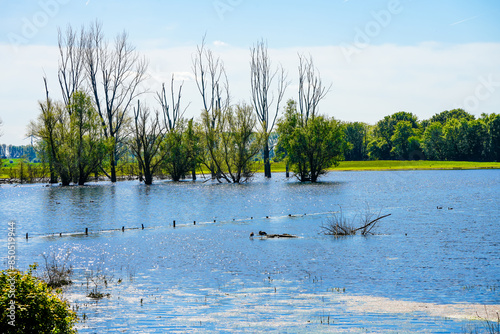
465	140
356	136
192	137
403	131
451	135
446	115
379	149
51	129
233	143
36	308
433	142
492	123
70	138
311	147
182	150
87	141
474	139
382	147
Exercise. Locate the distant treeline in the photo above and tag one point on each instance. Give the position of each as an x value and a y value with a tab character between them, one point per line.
453	135
17	152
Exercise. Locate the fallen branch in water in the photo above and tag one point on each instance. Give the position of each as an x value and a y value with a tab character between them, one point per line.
338	225
284	235
366	229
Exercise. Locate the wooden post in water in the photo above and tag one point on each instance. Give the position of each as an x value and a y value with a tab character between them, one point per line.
123	228
194	223
142	226
174	223
86	231
26	236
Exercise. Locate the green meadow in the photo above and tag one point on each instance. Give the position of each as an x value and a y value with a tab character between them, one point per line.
276	167
399	165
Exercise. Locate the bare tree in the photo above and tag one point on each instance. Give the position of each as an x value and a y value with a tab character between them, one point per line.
180	151
71	62
146	141
171	112
261	80
114	76
211	80
311	90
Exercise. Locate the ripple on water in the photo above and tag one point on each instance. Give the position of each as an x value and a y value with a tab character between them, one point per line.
426	270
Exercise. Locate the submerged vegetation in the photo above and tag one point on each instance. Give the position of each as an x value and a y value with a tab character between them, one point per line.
56	271
340	225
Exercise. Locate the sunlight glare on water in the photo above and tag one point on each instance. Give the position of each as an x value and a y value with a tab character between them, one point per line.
212	277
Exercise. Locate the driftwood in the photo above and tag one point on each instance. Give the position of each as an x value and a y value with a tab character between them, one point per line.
339	226
284	235
264	235
368	227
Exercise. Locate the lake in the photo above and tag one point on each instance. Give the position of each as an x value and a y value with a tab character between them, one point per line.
425	270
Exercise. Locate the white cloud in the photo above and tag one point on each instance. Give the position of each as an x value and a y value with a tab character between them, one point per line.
423	79
220	43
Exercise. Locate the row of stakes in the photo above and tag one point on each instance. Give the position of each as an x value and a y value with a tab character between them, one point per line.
142	227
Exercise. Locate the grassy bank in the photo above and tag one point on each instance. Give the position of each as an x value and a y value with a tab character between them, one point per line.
400	165
12	171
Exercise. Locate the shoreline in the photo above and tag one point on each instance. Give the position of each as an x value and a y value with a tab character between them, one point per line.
44	181
352	166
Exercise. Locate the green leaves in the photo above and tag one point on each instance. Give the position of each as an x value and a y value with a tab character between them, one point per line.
403	131
38	309
311	146
231	143
71	138
181	150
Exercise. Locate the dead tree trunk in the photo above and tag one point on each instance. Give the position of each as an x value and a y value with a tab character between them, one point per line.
261	81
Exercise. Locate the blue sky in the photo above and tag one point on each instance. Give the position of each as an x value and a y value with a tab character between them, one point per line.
381	56
282	23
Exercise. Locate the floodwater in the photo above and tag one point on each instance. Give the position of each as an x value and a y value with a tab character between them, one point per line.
425	270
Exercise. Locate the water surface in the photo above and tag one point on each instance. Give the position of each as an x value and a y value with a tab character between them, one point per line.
212	277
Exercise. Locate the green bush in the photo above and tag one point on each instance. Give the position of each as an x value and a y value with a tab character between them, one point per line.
28	305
